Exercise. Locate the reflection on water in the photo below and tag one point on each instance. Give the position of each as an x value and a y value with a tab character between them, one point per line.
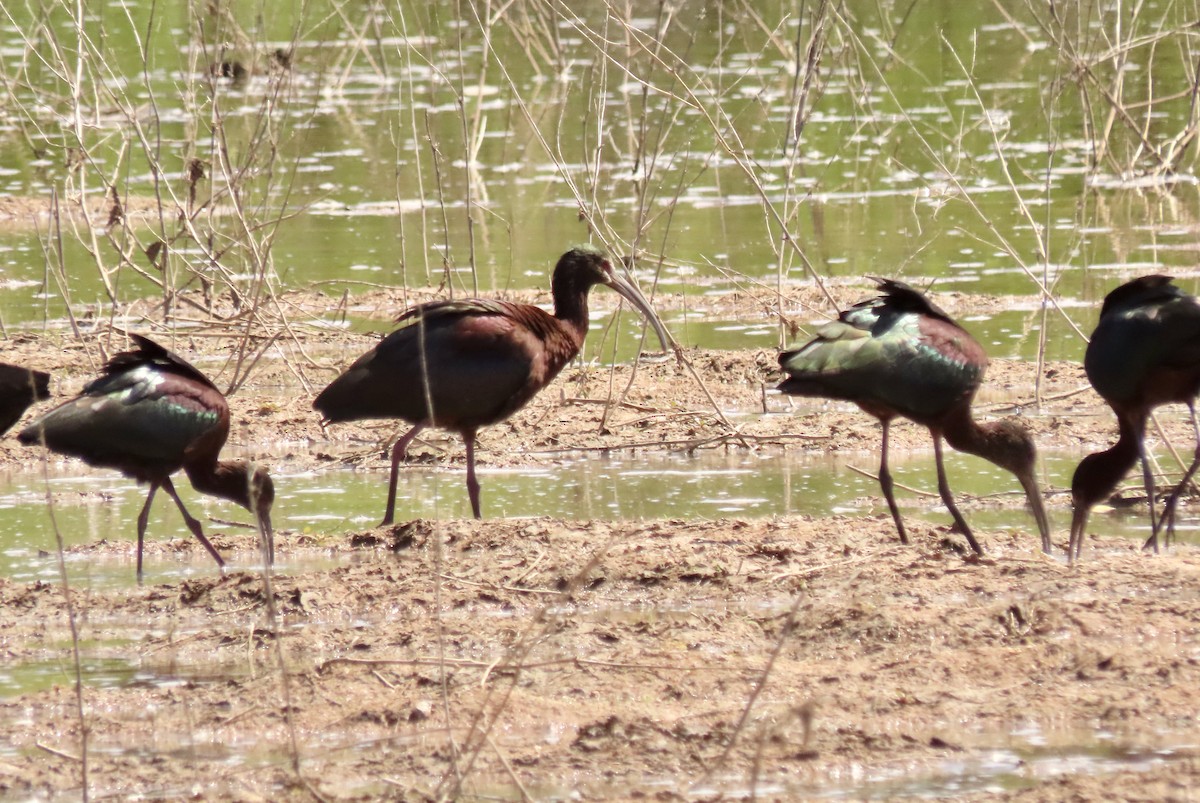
100	668
97	505
38	675
1000	763
423	159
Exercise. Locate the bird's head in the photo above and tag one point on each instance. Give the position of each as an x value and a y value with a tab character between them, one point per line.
246	483
1013	449
583	267
1091	483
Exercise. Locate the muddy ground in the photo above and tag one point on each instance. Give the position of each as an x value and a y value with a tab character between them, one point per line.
543	659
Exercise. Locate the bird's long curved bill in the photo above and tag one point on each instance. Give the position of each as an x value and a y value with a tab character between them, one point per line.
1038	506
1079	519
634	296
267	533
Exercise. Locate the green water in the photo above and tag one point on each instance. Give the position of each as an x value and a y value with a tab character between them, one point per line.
940	141
93	505
36	676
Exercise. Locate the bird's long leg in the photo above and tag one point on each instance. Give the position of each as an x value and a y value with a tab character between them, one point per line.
1148	481
472	483
1168	515
948	497
192	523
885	482
399	453
143	520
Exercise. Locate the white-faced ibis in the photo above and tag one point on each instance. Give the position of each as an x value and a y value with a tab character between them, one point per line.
148	415
19	388
1145	352
898	354
461	365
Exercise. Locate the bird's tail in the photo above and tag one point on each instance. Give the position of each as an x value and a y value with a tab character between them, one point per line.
338	401
810	386
357	395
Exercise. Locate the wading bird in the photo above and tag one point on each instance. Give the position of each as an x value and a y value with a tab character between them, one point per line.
148	415
19	388
462	365
1145	352
898	354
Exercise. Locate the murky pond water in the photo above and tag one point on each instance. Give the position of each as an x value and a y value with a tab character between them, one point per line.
946	148
1012	762
90	506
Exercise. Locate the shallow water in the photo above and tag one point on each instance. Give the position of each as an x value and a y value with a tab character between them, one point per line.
1011	334
93	505
1022	758
934	150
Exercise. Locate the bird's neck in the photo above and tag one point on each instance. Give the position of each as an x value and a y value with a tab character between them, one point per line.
228	480
1099	474
966	434
571	304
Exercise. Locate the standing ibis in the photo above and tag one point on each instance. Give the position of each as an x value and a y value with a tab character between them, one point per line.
19	388
1145	352
898	354
148	415
461	365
